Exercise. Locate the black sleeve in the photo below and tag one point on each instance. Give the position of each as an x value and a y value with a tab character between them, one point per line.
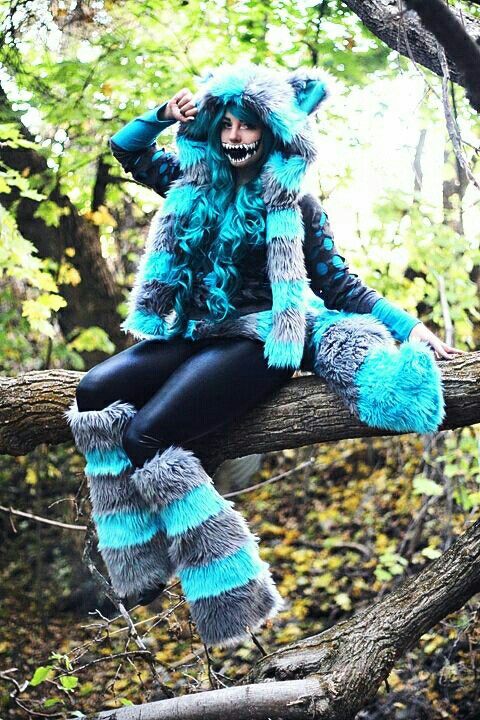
152	166
328	271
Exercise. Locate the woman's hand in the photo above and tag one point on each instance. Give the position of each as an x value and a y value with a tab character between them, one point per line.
181	107
442	350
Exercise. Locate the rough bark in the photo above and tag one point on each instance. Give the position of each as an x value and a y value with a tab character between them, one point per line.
302	413
406	33
331	676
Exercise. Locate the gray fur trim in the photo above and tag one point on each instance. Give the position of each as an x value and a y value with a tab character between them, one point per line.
342	350
216	537
285	262
168	476
139	567
162	236
222	620
99	429
112	493
156	297
289	323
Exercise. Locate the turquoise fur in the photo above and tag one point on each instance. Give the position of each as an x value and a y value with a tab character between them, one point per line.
106	462
283	354
311	96
323	320
146	325
192	510
157	265
126	528
181	199
191	152
288	172
401	389
287	294
223	574
286	223
263	323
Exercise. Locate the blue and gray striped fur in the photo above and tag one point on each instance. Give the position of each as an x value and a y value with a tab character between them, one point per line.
284	103
212	550
131	538
385	386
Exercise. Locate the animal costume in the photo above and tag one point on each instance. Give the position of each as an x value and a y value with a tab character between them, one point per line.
169	505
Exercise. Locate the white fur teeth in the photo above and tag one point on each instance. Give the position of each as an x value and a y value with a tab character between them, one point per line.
240	152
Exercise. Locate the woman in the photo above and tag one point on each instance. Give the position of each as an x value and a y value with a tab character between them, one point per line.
240	285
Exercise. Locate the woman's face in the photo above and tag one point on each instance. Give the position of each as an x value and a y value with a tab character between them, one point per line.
241	143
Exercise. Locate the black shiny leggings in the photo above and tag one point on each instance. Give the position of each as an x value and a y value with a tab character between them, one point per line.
182	389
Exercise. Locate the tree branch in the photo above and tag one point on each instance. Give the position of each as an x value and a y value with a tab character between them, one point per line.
303	412
382	18
331	676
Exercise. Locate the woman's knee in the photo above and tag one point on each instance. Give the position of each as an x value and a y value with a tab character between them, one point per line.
92	392
139	444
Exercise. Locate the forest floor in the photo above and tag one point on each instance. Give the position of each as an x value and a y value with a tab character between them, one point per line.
339	534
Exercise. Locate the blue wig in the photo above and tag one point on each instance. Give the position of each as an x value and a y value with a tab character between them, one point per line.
224	220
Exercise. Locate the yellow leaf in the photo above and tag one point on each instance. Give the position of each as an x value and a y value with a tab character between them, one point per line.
343	600
31	476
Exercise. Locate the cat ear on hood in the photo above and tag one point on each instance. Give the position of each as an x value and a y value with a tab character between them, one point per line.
310	90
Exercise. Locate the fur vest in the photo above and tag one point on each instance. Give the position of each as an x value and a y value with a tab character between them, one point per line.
285	103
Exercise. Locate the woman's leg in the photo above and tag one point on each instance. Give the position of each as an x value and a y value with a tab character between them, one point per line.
210	546
216	385
132	543
134	374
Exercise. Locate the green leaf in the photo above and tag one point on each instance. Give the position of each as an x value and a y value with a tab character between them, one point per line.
422	484
40	674
125	701
69	682
52	701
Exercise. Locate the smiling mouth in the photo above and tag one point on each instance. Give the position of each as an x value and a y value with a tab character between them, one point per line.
240	152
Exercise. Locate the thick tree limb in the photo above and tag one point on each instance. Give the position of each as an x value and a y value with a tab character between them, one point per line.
382	18
302	413
331	676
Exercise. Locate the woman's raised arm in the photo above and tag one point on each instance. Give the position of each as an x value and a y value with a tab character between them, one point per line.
135	147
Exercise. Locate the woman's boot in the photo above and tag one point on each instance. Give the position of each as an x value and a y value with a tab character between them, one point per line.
228	586
131	541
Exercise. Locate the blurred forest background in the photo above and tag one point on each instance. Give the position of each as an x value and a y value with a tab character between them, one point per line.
341	530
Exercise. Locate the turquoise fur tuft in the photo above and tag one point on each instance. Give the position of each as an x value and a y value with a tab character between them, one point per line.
401	389
285	223
282	354
126	528
192	510
191	152
223	574
288	172
106	462
287	294
146	325
264	323
157	265
181	199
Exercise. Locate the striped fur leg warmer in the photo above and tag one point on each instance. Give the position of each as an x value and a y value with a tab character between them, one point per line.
131	542
228	586
385	386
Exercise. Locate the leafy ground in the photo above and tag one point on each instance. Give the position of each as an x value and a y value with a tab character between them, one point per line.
338	534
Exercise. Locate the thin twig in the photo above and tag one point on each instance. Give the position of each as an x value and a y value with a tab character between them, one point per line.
303	465
452	126
38	518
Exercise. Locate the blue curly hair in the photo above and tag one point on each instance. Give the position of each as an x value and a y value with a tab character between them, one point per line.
224	220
